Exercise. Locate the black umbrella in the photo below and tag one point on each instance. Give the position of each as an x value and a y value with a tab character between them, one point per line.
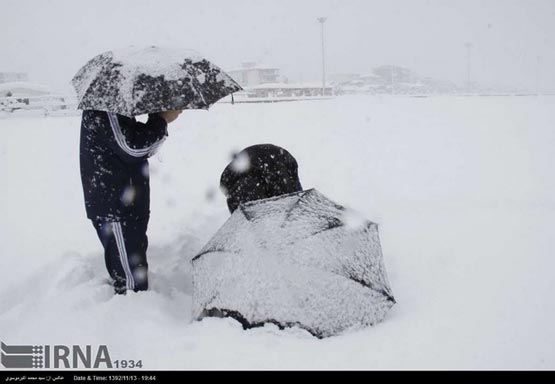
136	81
297	259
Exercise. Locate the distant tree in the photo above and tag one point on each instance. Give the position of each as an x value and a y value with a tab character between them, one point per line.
9	94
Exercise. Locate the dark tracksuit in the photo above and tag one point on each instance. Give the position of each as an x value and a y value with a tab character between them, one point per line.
270	171
114	172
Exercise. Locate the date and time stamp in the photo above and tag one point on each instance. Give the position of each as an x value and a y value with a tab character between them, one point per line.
150	378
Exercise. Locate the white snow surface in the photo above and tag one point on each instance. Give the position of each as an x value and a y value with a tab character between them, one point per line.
463	189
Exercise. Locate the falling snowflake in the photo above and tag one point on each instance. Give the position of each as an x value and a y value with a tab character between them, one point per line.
352	219
140	274
241	163
145	171
128	195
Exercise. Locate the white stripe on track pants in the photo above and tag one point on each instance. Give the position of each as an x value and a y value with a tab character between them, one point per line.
125	244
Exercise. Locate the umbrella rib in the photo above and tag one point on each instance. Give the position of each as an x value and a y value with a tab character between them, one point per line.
373	287
211	251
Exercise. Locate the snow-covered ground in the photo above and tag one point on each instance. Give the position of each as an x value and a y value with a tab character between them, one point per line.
463	189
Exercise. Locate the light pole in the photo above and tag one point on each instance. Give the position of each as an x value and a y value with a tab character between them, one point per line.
391	79
468	48
538	75
322	20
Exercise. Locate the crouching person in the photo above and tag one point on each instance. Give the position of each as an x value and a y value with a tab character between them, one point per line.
114	152
290	258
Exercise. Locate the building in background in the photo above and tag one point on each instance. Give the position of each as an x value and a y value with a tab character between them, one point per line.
16	84
290	90
391	79
23	89
8	77
251	74
343	78
264	83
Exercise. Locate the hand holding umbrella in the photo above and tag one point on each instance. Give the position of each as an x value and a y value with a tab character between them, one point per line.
170	116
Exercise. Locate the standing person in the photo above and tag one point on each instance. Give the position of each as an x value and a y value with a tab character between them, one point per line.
114	152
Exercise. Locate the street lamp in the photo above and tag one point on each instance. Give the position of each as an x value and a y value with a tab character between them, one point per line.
322	20
538	58
468	47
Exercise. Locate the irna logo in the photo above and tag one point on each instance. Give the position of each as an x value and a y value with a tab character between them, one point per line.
55	356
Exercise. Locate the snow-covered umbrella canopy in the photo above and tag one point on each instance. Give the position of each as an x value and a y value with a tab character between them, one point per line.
136	81
297	259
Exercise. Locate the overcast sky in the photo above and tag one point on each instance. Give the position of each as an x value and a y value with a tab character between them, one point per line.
51	39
